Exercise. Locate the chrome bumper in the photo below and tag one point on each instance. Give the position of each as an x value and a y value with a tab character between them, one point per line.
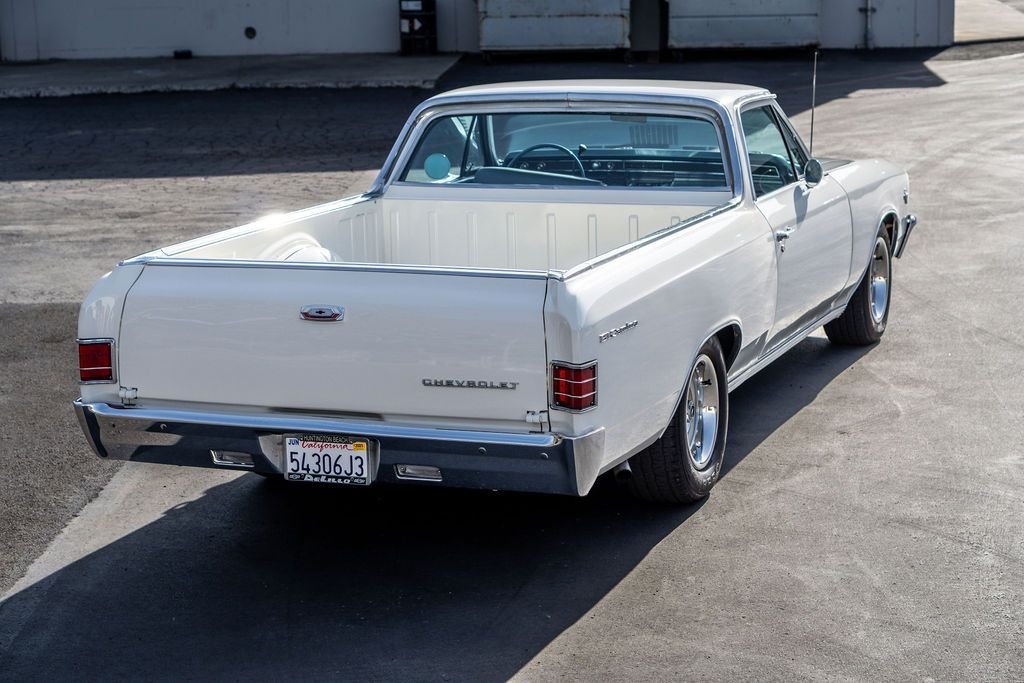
909	222
543	463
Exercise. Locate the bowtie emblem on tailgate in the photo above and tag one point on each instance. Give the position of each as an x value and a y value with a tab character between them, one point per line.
322	313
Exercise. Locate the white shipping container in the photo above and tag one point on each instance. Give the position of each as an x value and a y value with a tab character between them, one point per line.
523	25
742	23
78	29
844	24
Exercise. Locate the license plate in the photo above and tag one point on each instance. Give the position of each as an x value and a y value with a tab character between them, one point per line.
328	459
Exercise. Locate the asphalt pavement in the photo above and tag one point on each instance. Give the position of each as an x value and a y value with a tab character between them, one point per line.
869	524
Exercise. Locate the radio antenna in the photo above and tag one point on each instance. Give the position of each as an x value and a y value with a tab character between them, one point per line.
814	97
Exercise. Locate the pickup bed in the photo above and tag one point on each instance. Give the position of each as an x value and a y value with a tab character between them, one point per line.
547	281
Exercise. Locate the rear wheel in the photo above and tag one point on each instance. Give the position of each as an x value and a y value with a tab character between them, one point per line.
864	320
683	465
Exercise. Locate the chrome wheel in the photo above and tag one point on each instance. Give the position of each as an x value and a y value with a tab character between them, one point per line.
701	412
879	286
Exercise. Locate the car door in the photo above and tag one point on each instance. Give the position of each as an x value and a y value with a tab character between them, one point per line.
812	225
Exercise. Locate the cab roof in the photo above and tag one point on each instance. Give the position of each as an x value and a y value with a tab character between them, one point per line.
726	94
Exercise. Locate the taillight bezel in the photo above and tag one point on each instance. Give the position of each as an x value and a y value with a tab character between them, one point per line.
113	361
552	397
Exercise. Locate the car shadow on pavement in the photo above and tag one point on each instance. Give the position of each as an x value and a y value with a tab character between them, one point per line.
777	393
275	581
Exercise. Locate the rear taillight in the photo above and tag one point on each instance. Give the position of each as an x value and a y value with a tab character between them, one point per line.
96	360
574	387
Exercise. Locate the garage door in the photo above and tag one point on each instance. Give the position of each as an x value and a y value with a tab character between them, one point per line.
742	23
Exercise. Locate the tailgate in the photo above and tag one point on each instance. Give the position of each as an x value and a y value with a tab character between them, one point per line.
410	345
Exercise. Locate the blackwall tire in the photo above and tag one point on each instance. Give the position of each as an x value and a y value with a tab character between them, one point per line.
684	464
864	321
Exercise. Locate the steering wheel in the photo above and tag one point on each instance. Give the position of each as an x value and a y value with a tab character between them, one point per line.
549	145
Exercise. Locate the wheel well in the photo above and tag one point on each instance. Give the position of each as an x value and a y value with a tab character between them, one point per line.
729	337
890	223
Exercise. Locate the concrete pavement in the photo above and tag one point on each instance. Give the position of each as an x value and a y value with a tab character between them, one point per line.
987	20
95	76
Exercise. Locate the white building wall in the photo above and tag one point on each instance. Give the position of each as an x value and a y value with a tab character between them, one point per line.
742	23
829	23
894	23
90	29
547	25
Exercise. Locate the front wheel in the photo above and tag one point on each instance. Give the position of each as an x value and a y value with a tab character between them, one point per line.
864	320
683	465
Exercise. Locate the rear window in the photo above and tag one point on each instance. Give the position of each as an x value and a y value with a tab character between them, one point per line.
569	148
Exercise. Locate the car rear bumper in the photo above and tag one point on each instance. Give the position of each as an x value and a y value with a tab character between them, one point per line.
542	463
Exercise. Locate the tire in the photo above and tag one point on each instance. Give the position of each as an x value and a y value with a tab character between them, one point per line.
672	469
864	320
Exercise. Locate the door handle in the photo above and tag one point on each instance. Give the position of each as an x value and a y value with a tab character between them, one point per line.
781	236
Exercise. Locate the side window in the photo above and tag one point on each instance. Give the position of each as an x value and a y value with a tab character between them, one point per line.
473	154
795	150
449	145
770	164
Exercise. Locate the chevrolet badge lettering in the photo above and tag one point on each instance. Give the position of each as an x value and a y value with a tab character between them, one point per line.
470	384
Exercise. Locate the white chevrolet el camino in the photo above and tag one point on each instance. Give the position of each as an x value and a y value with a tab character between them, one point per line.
546	282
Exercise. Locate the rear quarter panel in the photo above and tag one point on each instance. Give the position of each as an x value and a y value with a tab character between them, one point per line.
680	289
100	318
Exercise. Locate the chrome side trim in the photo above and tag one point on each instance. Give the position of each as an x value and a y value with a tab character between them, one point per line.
351	267
776	351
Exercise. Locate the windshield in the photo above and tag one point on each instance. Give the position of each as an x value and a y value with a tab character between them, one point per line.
569	148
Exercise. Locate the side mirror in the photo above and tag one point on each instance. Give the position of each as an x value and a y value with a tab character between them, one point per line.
813	172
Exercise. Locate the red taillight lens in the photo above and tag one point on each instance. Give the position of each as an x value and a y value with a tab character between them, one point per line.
96	361
574	387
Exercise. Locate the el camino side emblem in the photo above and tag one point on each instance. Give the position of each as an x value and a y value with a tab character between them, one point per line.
613	333
322	313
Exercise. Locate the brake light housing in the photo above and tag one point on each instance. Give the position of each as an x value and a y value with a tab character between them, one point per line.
96	361
574	386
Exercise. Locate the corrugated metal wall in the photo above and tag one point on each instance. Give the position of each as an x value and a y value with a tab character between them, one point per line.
82	29
742	23
894	23
546	25
792	23
89	29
